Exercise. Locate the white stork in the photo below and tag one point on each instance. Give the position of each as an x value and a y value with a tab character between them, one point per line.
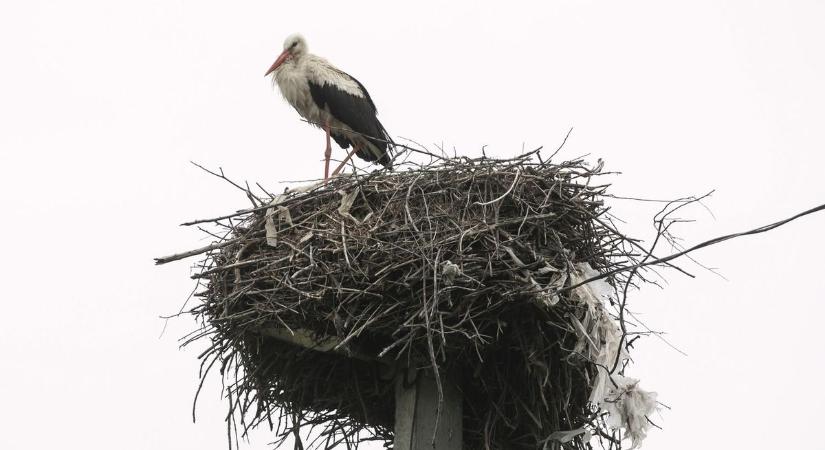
333	100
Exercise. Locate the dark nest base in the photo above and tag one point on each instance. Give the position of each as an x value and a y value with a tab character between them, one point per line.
315	303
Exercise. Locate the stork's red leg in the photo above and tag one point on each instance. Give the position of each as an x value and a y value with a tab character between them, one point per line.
341	166
327	153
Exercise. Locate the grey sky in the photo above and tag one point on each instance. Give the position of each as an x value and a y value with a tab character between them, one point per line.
102	105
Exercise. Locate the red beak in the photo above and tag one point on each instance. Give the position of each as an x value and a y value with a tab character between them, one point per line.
284	55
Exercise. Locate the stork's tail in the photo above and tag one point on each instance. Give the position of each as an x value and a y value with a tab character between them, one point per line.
386	146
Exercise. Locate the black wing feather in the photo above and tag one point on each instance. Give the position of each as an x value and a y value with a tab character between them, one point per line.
358	113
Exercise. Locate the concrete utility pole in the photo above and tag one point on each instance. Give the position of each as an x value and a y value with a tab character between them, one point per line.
417	421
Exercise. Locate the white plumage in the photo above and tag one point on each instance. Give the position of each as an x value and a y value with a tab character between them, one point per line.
333	100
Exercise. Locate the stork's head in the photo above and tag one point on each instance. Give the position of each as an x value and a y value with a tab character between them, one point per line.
295	46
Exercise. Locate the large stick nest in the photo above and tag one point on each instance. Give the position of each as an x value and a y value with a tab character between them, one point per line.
315	301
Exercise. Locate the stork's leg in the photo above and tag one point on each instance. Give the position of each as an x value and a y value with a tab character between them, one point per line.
327	153
341	166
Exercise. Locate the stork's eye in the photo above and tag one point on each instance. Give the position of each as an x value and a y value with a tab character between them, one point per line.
294	44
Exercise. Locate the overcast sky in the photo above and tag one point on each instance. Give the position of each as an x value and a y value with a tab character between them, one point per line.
103	104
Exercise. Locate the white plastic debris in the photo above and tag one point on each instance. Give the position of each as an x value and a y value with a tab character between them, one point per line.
599	335
347	200
599	340
271	229
449	271
281	212
628	407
